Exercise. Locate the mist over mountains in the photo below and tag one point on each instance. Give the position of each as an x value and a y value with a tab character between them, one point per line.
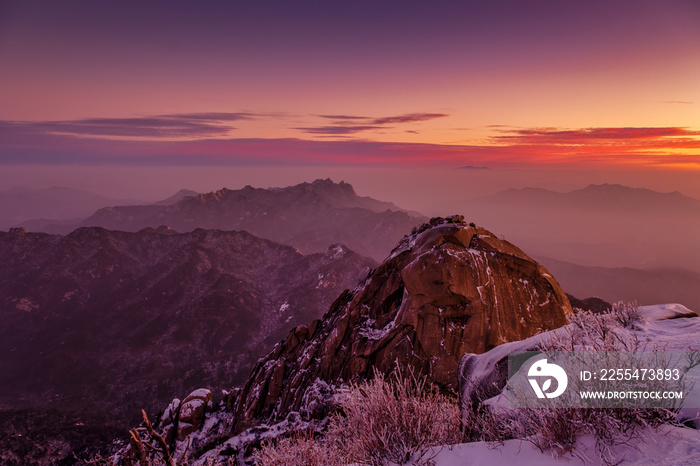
641	232
37	207
600	225
627	284
646	236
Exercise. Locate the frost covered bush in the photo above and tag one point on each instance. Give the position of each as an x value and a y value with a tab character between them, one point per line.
599	331
628	315
384	420
301	448
394	420
558	429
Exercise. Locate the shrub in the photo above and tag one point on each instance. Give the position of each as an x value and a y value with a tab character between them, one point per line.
628	315
394	419
300	448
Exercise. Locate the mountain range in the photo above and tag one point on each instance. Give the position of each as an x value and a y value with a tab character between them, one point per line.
308	216
600	225
107	322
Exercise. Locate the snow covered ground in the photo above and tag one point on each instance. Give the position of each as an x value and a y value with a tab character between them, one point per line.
670	327
663	447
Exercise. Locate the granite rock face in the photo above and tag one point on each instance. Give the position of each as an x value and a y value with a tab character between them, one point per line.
447	289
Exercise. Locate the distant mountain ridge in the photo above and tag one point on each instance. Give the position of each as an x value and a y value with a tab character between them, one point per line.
308	216
628	284
599	196
605	225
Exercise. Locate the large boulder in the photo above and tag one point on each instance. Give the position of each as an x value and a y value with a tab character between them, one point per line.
448	289
192	411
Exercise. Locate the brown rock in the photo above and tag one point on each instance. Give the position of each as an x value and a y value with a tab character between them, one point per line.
192	412
446	290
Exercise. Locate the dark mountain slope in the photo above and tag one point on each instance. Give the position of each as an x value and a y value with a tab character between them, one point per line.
122	320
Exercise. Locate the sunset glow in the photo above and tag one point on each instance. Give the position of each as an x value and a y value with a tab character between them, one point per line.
512	85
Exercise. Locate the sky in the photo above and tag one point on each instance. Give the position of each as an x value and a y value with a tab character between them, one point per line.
101	94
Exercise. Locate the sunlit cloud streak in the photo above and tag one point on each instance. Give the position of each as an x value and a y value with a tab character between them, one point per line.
662	146
344	117
213	116
557	136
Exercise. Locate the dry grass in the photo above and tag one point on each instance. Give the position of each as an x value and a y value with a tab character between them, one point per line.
300	448
394	419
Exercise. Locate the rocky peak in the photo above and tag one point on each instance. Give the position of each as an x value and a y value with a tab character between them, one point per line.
326	189
213	196
309	216
448	289
328	185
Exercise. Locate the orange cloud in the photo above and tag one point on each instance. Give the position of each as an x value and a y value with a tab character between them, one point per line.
665	146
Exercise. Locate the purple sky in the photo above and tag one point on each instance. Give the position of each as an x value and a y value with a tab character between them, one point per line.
357	86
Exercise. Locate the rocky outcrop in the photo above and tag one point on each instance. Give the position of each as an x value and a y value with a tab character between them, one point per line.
192	412
181	418
446	290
